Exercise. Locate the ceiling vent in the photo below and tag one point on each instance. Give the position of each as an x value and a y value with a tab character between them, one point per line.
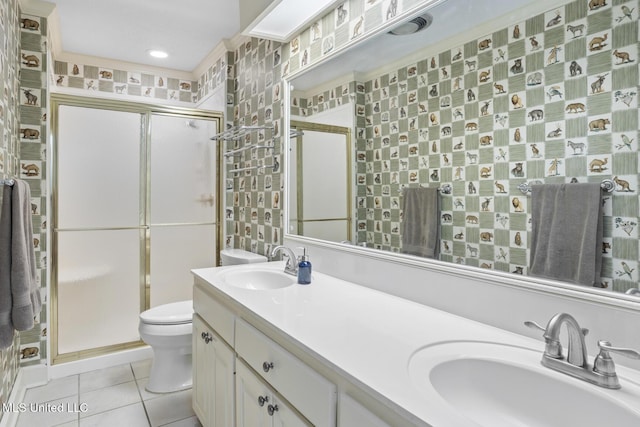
412	26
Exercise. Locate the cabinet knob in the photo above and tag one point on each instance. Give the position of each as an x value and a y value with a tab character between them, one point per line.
267	366
206	336
262	400
271	409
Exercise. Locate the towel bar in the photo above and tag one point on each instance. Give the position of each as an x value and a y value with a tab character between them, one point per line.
608	185
445	189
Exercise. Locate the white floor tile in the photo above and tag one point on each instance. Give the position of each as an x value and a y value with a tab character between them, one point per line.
46	416
112	398
129	416
169	408
55	389
105	377
108	398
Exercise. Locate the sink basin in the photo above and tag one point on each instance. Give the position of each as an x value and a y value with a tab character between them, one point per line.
258	279
500	385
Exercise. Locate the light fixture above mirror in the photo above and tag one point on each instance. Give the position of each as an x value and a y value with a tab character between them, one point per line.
280	20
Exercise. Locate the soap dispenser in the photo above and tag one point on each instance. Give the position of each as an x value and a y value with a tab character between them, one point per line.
304	268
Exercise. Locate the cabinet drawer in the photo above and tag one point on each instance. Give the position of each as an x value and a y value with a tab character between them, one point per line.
313	395
215	314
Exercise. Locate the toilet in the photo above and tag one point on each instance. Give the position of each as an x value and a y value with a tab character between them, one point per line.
168	328
240	256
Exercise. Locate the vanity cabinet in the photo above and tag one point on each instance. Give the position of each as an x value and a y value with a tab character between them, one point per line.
213	377
241	377
257	405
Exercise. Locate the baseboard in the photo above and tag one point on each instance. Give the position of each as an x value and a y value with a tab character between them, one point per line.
100	362
31	376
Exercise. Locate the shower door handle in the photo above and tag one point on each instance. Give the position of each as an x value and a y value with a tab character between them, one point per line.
206	199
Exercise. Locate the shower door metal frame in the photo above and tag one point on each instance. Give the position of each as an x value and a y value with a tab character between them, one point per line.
146	111
318	127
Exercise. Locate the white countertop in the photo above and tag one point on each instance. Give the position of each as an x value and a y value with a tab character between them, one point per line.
368	334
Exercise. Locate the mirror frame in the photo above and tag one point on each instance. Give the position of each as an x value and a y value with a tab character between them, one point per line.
521	282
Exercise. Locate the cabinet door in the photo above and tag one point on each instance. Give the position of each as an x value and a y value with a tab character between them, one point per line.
252	399
213	377
224	384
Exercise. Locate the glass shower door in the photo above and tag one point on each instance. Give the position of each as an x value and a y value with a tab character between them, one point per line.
134	210
99	231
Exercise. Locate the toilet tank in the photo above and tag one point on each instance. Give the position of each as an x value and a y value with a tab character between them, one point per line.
240	256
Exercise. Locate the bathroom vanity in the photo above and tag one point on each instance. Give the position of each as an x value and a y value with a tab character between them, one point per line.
333	353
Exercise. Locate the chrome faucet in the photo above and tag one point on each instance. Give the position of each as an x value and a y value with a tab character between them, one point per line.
291	267
576	349
576	363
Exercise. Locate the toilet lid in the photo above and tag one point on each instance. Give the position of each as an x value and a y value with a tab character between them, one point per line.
169	314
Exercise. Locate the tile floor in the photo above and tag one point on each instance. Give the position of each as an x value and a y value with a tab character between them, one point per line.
106	397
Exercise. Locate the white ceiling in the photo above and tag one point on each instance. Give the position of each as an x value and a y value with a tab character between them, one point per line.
124	30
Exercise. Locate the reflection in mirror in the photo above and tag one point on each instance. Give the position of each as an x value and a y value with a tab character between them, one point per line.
486	105
320	190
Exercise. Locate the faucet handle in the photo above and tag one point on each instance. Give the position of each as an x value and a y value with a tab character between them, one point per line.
606	348
533	325
603	363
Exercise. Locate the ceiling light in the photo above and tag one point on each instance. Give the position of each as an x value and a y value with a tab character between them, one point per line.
158	53
414	25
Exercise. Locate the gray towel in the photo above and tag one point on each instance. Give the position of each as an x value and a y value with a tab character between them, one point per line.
17	263
566	238
6	325
421	222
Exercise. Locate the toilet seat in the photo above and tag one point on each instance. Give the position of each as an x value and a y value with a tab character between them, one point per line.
176	313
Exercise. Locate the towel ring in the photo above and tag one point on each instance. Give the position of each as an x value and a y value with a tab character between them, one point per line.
607	185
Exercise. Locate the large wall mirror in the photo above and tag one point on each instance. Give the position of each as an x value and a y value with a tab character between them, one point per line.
484	100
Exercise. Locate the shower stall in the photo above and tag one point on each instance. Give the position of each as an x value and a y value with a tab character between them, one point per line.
133	209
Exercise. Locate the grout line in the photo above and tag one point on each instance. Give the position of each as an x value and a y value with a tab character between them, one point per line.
78	394
144	406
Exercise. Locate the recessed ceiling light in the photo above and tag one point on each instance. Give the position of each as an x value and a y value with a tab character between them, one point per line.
158	53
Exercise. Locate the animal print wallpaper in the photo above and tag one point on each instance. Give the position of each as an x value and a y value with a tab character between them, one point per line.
253	208
96	79
23	155
33	163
